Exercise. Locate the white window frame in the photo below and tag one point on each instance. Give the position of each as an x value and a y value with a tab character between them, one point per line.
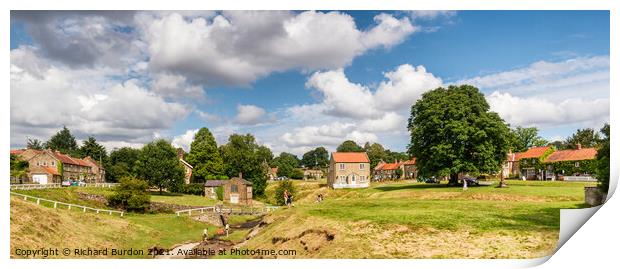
342	166
362	166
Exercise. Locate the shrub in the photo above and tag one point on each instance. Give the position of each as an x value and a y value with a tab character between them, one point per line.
297	174
284	185
131	194
192	188
219	191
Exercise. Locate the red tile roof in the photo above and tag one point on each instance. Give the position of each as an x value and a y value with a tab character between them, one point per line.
391	166
572	155
350	157
409	162
534	152
17	151
379	165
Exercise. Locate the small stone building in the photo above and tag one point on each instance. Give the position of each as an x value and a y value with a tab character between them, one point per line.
235	190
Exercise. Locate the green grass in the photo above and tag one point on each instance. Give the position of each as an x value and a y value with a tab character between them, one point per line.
182	199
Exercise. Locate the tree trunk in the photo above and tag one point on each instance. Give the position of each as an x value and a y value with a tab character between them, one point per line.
161	189
454	180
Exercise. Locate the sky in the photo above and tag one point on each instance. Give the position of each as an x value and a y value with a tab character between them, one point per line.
297	80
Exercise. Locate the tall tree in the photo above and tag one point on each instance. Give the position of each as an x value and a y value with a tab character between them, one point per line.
242	155
603	158
63	141
376	153
286	158
588	138
121	163
265	154
525	138
91	148
204	156
34	144
159	164
453	131
318	157
349	146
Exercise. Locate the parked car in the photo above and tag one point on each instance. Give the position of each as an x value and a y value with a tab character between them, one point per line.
82	183
471	181
429	180
66	183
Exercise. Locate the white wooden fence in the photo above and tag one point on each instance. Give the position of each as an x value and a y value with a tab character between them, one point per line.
229	210
67	205
34	186
57	185
580	178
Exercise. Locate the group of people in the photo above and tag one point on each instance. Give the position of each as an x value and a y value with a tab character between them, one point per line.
288	198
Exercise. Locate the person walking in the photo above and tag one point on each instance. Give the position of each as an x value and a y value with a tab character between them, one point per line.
286	197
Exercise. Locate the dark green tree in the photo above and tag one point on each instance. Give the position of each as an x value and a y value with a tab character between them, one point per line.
603	158
588	138
453	131
19	167
64	142
376	153
159	164
204	156
286	158
34	144
525	138
131	194
349	146
285	170
282	186
265	154
318	157
242	155
91	148
121	163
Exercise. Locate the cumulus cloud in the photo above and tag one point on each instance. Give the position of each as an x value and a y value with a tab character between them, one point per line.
404	86
327	134
431	14
539	112
184	140
176	87
86	101
252	115
238	47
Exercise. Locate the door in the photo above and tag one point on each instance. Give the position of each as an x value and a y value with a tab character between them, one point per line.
41	179
234	198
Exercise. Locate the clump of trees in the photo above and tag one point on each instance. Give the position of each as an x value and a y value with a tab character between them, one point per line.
603	158
453	131
131	194
243	155
316	158
205	157
159	164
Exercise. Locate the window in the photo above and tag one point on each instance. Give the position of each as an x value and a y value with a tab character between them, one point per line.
576	164
53	163
44	163
342	166
362	166
233	189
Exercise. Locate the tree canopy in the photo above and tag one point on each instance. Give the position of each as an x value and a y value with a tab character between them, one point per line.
122	163
603	158
453	131
63	141
34	144
159	164
204	156
318	157
525	138
91	148
349	146
588	138
243	155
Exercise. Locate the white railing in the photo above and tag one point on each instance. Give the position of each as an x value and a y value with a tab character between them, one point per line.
101	185
229	210
68	206
34	186
580	178
345	185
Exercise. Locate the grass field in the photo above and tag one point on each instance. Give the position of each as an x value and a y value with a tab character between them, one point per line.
34	226
418	220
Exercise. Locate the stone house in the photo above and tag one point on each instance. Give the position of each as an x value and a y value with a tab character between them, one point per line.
48	166
188	168
349	170
572	164
235	190
313	174
211	185
410	169
529	162
388	171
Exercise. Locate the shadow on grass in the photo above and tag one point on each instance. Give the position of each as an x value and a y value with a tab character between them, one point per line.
156	193
424	186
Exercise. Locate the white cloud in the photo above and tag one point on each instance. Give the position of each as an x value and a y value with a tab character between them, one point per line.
252	115
391	121
176	87
326	135
207	116
404	86
185	140
238	47
539	112
431	14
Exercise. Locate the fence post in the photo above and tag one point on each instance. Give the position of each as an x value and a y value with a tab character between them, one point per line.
178	214
25	198
97	211
69	207
110	213
122	213
55	204
38	201
83	209
189	212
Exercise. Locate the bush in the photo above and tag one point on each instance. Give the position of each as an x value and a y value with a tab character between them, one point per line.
219	191
284	185
131	194
297	174
192	188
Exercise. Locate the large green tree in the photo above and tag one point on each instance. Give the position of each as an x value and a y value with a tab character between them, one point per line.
524	138
318	157
453	131
376	153
159	164
34	144
205	157
91	148
349	146
243	155
588	138
121	163
63	141
603	158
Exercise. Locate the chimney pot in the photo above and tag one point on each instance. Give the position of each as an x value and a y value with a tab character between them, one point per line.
578	145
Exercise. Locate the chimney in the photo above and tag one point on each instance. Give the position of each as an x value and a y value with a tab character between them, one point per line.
578	145
240	175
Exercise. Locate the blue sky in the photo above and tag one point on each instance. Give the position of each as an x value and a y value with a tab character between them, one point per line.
289	78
